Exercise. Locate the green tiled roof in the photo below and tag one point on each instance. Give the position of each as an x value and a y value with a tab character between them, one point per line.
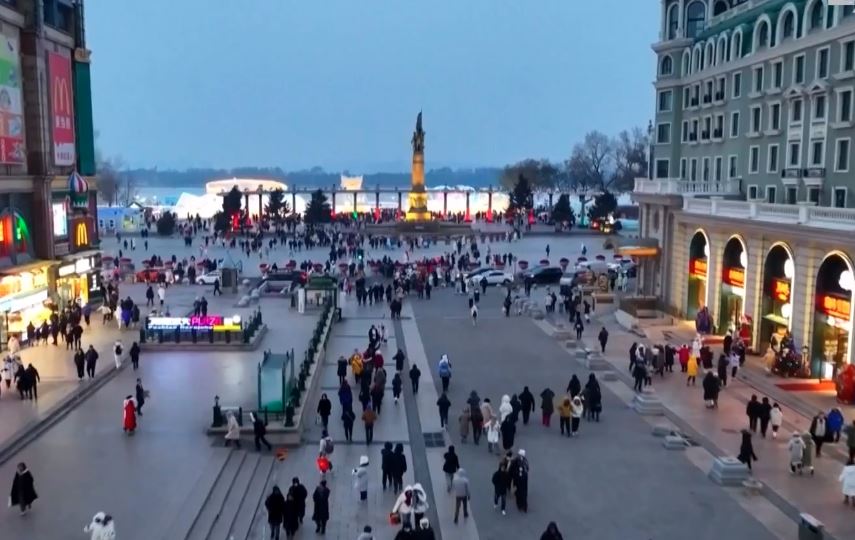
771	8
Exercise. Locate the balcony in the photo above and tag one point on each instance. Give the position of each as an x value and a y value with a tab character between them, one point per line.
822	217
791	176
707	99
814	176
718	134
693	102
676	186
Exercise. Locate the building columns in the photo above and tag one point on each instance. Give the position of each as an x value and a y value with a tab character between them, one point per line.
806	264
756	269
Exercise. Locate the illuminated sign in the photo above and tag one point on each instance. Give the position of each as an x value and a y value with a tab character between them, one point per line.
217	323
834	306
781	290
60	219
81	234
698	268
82	266
66	270
24	302
734	277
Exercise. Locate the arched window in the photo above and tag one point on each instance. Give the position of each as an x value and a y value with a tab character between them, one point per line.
709	54
722	52
673	20
816	15
788	30
847	10
696	60
687	63
762	36
695	18
719	7
736	45
667	66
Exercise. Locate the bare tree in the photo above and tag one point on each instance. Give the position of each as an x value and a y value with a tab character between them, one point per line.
590	162
108	182
540	174
630	149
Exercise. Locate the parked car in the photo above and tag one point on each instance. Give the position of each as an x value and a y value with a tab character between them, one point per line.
494	277
544	275
477	273
209	278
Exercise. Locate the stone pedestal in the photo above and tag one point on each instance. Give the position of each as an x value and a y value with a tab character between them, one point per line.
674	442
648	403
662	431
570	343
562	334
596	362
581	356
728	471
537	314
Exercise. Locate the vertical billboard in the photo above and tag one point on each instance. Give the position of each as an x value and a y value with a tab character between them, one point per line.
62	112
11	104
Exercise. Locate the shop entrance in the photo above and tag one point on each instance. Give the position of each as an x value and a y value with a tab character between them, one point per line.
775	304
732	297
832	328
699	251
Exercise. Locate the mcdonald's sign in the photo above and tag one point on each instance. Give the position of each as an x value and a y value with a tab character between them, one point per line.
81	234
62	109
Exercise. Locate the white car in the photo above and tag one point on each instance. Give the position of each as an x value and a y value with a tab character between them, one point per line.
209	278
494	277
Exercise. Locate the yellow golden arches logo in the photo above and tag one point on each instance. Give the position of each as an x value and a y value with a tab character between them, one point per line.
81	235
61	98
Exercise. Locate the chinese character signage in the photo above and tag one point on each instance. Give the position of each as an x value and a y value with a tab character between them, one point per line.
62	112
11	109
834	306
734	277
781	290
698	268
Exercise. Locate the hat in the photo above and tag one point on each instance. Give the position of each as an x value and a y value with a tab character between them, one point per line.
424	523
363	461
522	452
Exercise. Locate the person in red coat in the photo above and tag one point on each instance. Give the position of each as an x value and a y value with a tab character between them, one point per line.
129	418
378	360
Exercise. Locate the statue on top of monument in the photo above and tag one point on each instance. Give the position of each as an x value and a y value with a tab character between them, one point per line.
419	135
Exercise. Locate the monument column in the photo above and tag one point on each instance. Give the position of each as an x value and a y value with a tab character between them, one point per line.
377	200
333	201
550	200
260	205
490	205
418	210
444	204
400	203
466	217
294	202
354	201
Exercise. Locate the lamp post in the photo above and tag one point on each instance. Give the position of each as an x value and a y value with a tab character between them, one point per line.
650	149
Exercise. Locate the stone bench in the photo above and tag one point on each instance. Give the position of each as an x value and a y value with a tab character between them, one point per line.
729	471
752	487
674	442
609	376
647	403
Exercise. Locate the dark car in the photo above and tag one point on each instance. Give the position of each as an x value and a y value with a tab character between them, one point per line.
545	275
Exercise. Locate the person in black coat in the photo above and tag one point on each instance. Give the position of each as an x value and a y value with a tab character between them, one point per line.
299	493
765	415
399	360
386	457
135	355
259	432
516	408
341	369
551	532
501	485
23	489
752	411
723	364
746	449
399	467
711	390
443	404
321	512
593	398
527	404
275	505
290	516
450	465
508	430
80	363
574	387
415	373
324	410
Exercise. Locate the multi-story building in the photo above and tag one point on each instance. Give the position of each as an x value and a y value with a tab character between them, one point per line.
47	162
752	203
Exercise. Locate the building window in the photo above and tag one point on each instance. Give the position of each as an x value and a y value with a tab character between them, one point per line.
685	98
816	153
756	118
754	160
822	63
775	116
847	56
758	79
719	93
816	16
667	66
58	14
841	155
718	130
795	151
762	35
789	30
734	124
771	194
694	169
706	163
673	20
752	192
696	95
693	136
695	17
736	46
772	159
683	166
708	95
799	69
737	85
819	108
718	164
813	194
663	133
684	131
778	74
731	167
796	111
791	195
661	168
666	98
839	197
844	106
707	132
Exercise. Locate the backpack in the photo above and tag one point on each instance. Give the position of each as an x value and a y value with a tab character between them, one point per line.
329	447
118	349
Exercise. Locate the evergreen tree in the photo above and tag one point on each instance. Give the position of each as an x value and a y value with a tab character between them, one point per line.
318	209
604	205
562	211
166	224
231	205
521	197
277	208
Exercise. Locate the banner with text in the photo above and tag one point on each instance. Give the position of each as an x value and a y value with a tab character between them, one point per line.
59	69
11	107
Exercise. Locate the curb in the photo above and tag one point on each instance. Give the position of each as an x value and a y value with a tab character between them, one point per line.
26	435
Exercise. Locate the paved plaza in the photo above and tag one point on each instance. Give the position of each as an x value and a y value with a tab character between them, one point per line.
614	481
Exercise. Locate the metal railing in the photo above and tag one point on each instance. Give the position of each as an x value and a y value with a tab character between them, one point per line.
801	214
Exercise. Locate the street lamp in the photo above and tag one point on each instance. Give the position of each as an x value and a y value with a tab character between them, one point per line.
650	149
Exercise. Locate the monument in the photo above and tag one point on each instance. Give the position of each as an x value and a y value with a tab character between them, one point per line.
418	210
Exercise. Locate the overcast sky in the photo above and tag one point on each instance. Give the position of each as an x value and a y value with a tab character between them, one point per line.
338	83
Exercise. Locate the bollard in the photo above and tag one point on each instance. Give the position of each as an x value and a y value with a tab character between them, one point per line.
289	413
218	413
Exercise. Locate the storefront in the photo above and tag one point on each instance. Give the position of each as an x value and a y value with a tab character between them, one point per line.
832	330
732	296
699	252
24	299
213	328
78	279
776	296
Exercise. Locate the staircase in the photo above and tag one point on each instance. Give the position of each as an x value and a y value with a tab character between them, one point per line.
224	502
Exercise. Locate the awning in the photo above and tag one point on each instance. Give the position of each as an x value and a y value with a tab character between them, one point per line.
633	247
28	267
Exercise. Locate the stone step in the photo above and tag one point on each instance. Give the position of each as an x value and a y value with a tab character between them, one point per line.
217	497
199	495
253	500
234	499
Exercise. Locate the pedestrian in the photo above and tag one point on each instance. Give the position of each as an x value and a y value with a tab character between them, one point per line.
574	387
577	410
551	532
399	360
752	410
360	478
368	418
102	527
463	422
321	511
796	448
356	366
23	489
847	479
324	410
526	400
776	417
135	355
603	338
341	369
79	363
366	534
460	487
834	424
399	467
129	417
141	395
579	328
161	294
443	404
547	406
396	386
275	505
519	477
501	485
746	449
404	508
290	516
477	417
9	369
711	389
424	531
415	373
232	430
505	409
117	353
492	433
33	381
593	398
91	359
807	453
149	296
565	412
300	494
723	363
386	457
819	431
444	370
473	311
691	369
259	432
450	464
348	418
850	439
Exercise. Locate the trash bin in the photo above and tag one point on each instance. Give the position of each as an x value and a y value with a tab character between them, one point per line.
810	528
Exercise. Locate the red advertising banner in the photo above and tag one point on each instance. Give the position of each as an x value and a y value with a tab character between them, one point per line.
62	111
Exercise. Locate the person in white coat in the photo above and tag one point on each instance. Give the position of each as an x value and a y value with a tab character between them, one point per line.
161	294
14	345
360	478
232	430
118	349
847	479
102	527
776	417
505	408
796	448
492	429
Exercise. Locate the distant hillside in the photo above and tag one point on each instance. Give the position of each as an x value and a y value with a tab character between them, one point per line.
481	177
